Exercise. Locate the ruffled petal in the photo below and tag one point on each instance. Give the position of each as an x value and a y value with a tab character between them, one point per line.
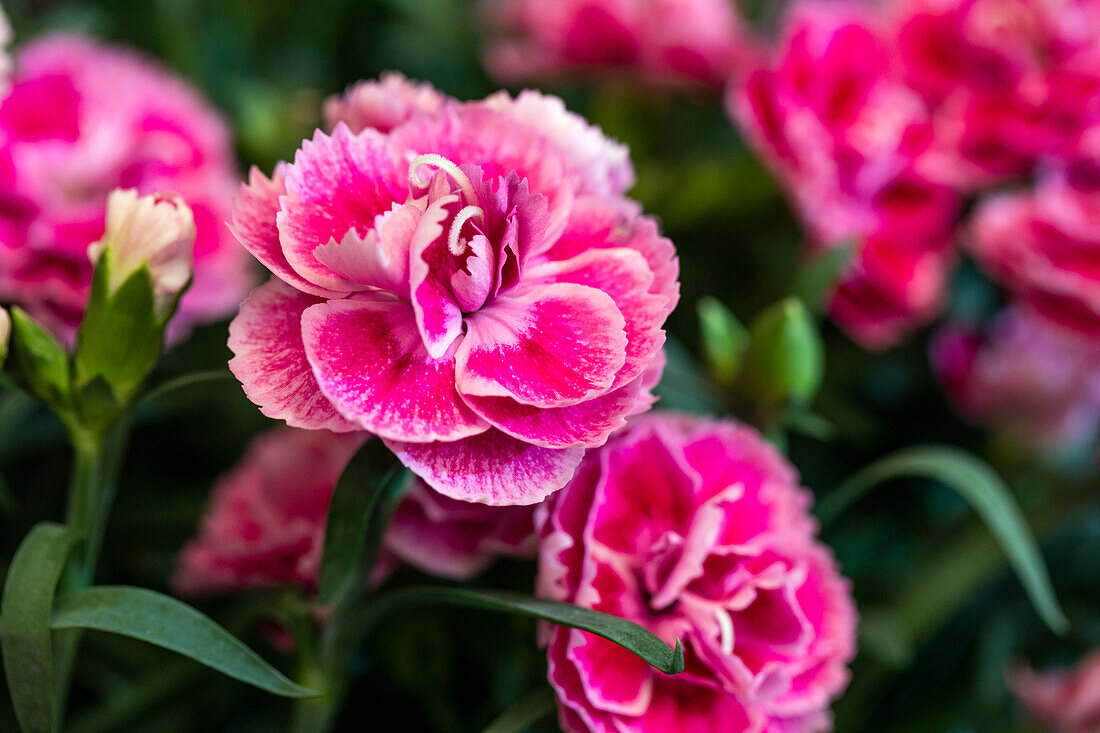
556	345
270	359
490	468
370	362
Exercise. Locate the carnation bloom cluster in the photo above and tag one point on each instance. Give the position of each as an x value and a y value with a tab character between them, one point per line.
471	286
882	119
680	41
79	120
265	522
699	531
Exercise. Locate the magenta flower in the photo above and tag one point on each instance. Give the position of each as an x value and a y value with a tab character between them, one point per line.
1026	378
265	524
1010	82
1065	700
382	104
694	41
699	531
471	287
80	120
846	138
1043	244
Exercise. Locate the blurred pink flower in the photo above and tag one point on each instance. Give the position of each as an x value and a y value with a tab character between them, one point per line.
472	287
1009	81
694	41
845	135
699	531
1066	700
1044	245
80	120
382	104
265	523
1025	377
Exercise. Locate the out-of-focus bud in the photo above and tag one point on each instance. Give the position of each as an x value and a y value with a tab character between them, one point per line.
157	231
5	335
724	339
785	360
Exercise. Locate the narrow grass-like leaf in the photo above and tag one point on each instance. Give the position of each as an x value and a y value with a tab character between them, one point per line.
531	708
25	634
168	623
372	474
634	638
985	491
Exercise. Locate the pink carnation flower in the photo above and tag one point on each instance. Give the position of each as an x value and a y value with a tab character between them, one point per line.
1065	700
1010	81
471	287
844	135
265	524
82	119
1025	377
699	531
697	41
1043	245
382	104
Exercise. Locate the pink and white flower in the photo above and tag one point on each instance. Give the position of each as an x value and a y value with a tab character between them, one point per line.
1065	700
834	120
1025	377
699	531
82	119
695	41
472	288
382	104
265	523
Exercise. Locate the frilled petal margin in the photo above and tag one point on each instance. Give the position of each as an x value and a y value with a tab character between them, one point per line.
270	359
369	360
490	468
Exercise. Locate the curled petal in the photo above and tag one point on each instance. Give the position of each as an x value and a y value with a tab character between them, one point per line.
270	359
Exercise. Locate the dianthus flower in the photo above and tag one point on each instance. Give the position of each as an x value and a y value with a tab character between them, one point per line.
80	120
472	287
1065	700
265	523
1042	244
1025	377
845	136
699	531
696	41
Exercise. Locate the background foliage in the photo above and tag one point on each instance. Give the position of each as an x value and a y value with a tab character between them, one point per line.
942	616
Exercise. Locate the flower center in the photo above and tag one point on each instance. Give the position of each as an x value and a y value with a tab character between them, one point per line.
470	212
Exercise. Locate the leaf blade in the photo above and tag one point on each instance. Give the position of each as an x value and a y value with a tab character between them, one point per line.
636	639
158	619
985	491
25	610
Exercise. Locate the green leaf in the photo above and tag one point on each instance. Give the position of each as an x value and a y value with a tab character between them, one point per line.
27	642
724	338
356	522
120	339
985	491
43	361
531	708
817	278
634	638
158	619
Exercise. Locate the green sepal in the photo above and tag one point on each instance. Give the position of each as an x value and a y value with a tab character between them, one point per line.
43	361
724	339
785	358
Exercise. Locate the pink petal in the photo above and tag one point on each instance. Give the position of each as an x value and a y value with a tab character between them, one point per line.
586	425
254	210
335	184
270	359
558	344
369	360
379	260
490	468
614	680
623	274
438	318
